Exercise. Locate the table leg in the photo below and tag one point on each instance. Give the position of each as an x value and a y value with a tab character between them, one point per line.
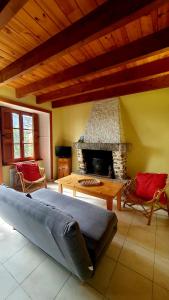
74	193
119	200
60	188
109	204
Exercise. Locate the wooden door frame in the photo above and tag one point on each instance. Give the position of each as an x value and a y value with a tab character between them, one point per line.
8	101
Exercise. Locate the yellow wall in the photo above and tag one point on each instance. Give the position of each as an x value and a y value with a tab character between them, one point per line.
9	93
70	123
145	119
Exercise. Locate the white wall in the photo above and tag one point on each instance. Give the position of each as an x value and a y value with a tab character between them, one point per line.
44	140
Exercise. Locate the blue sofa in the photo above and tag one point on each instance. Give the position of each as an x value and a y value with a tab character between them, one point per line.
73	232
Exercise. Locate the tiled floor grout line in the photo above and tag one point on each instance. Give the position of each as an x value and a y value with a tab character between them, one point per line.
149	251
161	286
20	283
153	282
71	275
10	294
124	241
122	264
15	253
164	288
3	264
139	245
106	291
57	294
14	292
154	258
117	261
108	283
34	269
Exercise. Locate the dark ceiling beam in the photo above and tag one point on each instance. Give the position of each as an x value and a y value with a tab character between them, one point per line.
3	4
153	68
126	89
144	47
105	18
8	9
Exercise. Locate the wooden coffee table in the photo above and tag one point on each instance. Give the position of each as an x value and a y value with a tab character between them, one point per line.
108	190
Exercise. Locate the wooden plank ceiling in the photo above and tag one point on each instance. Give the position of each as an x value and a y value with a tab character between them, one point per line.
76	51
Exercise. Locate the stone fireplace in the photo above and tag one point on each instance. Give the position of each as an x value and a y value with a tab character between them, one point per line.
102	150
119	157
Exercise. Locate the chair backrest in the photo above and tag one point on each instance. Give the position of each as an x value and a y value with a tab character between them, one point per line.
30	170
148	183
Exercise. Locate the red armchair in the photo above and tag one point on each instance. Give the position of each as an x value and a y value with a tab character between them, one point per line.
31	176
148	191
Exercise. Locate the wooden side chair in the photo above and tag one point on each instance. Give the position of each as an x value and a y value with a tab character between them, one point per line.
148	191
31	176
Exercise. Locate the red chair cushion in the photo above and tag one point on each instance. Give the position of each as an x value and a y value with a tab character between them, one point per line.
148	183
30	171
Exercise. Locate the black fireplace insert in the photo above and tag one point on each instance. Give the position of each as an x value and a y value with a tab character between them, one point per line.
98	162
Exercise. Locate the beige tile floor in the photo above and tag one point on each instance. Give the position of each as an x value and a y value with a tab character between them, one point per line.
136	265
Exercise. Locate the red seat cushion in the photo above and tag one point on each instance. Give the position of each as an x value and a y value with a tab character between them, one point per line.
30	171
148	183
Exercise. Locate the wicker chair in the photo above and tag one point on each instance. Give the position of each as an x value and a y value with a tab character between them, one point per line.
148	206
29	184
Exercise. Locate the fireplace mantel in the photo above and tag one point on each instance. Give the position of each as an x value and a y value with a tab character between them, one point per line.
123	147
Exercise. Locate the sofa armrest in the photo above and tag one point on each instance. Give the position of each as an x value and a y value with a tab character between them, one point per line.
73	247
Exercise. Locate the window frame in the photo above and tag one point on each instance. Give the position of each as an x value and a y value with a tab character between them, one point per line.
21	114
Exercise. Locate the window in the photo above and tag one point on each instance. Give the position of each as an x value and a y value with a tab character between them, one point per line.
28	136
16	135
20	135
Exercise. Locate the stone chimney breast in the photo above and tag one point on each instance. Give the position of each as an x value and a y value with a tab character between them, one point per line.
104	133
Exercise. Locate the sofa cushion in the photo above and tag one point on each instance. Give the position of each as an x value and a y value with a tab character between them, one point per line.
148	183
97	225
